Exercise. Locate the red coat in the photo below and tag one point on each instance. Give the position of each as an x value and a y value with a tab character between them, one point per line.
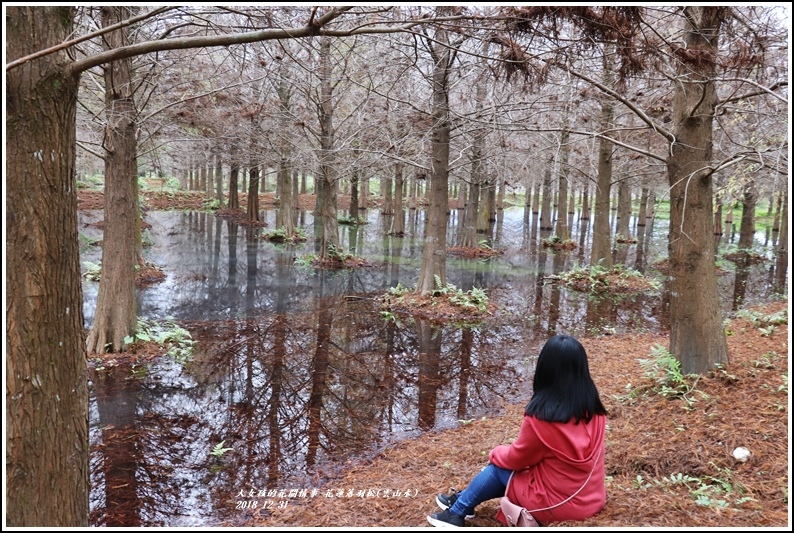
552	461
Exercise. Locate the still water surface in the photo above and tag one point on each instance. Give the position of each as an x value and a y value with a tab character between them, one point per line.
297	372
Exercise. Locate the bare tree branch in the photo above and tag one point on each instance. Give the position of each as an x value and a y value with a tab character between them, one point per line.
102	31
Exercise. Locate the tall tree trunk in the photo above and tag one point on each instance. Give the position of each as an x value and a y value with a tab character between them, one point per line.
252	206
116	316
234	175
545	204
781	262
287	203
624	211
328	212
219	179
354	181
642	214
562	192
601	253
386	192
47	475
398	221
747	228
363	200
462	196
470	214
536	199
434	256
697	335
585	213
776	221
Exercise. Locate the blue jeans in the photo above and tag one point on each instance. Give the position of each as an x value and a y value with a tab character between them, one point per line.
490	483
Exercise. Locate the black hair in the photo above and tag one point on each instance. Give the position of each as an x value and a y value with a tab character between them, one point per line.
562	386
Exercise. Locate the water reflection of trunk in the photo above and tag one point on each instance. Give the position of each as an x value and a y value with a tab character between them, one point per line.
554	302
284	262
231	229
319	373
466	342
740	283
539	282
396	253
216	254
116	403
428	381
251	251
276	387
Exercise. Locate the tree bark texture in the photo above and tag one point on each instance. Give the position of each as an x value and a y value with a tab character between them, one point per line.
601	252
747	228
545	204
697	336
434	257
116	313
330	187
47	477
398	221
285	220
386	190
562	191
624	210
252	205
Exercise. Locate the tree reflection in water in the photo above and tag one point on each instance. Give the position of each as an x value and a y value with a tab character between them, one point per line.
298	373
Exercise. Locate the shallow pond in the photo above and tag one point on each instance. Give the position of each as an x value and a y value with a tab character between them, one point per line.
296	372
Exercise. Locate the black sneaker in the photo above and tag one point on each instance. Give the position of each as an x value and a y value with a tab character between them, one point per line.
445	501
445	519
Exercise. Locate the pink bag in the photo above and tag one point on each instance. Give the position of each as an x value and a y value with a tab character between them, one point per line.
516	515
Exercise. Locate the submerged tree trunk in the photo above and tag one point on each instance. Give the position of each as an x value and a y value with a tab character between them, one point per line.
115	318
697	335
47	473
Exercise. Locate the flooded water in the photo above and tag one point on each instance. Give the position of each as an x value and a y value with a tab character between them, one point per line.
296	372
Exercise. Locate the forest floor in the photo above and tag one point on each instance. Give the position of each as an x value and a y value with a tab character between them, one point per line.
669	452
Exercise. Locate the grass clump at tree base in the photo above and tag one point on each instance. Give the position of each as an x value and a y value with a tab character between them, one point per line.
445	303
597	280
